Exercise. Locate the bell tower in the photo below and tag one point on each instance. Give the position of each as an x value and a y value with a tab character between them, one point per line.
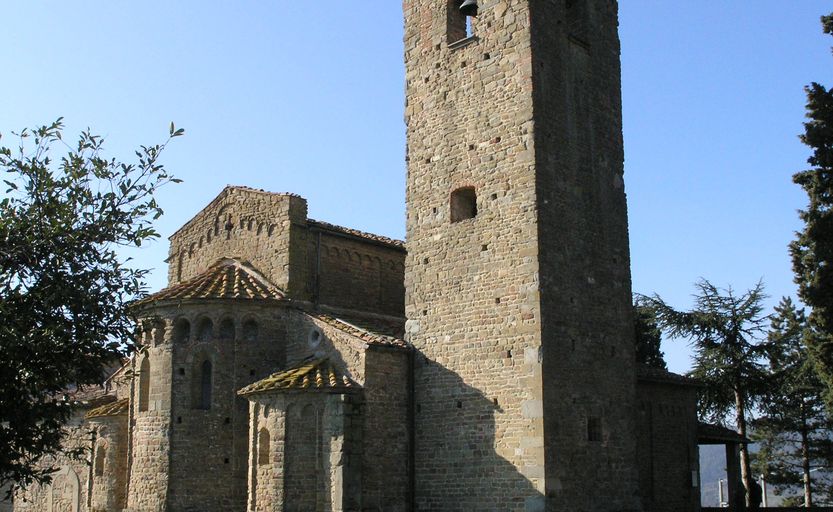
518	292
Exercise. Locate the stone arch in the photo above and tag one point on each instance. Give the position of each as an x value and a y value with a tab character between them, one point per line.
181	331
263	447
100	463
192	248
250	330
227	330
158	331
65	491
271	230
144	383
251	224
205	329
147	333
202	380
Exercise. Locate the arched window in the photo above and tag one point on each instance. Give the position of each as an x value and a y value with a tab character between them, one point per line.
227	329
144	384
158	332
263	447
463	204
202	386
182	331
250	331
100	458
205	330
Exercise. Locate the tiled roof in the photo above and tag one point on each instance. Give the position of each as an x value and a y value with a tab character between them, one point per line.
355	232
717	434
112	409
646	373
308	375
227	279
363	332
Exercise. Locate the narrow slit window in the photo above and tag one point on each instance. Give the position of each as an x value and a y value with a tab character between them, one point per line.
144	384
263	449
463	204
205	386
594	429
202	384
100	458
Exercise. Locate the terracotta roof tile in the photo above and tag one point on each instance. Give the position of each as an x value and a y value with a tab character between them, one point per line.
112	409
309	374
355	232
227	279
362	332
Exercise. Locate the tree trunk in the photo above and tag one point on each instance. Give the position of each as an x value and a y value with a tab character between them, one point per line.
805	463
745	471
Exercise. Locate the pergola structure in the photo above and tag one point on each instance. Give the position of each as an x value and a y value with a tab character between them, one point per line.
715	434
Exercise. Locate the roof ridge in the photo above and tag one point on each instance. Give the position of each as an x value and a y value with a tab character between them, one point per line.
356	232
227	278
222	195
318	374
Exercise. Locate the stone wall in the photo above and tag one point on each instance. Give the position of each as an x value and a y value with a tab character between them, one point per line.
308	336
585	288
264	229
305	452
355	273
667	446
69	489
385	467
517	274
472	285
150	432
109	486
310	260
231	344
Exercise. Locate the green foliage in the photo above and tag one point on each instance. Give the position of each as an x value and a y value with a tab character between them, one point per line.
812	250
64	290
725	331
793	431
648	335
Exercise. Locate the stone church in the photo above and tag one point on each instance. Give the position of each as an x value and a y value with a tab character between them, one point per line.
485	364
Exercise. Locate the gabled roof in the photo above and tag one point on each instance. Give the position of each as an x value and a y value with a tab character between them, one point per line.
229	278
116	408
368	330
229	189
399	244
308	375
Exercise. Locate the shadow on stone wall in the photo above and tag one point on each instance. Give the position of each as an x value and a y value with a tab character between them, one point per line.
459	463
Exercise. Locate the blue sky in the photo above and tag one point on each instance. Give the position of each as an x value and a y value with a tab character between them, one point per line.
307	97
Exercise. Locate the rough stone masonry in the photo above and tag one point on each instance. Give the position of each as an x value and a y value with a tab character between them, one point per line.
296	365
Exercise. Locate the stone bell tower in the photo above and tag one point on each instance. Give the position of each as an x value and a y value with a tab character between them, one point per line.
517	275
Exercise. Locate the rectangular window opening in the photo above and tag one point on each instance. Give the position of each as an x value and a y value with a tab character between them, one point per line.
459	27
594	429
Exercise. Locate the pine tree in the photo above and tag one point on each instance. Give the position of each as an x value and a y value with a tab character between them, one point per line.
812	251
794	430
648	335
726	331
